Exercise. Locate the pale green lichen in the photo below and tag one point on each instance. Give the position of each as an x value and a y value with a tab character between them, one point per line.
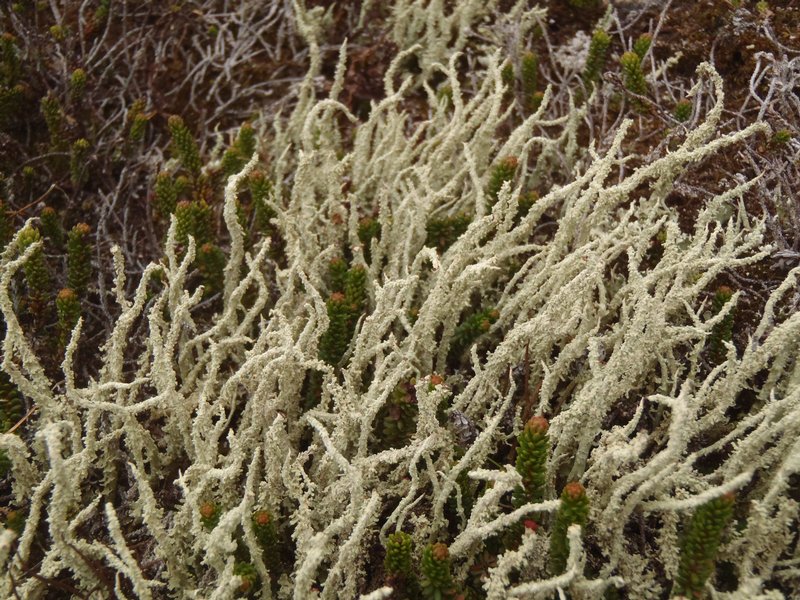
209	412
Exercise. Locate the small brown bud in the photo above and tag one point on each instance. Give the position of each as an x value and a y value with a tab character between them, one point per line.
67	294
537	425
439	551
574	490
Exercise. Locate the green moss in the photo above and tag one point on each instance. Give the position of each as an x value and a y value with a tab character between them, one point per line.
11	100
344	308
10	66
337	274
101	14
782	136
355	291
507	75
58	32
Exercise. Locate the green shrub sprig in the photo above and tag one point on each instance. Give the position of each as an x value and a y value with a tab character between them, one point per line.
79	258
184	146
165	194
700	545
633	76
37	276
472	328
436	580
51	225
683	110
533	447
210	512
68	310
77	85
723	331
529	78
240	152
573	510
194	217
502	172
642	45
399	551
443	232
77	161
596	59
